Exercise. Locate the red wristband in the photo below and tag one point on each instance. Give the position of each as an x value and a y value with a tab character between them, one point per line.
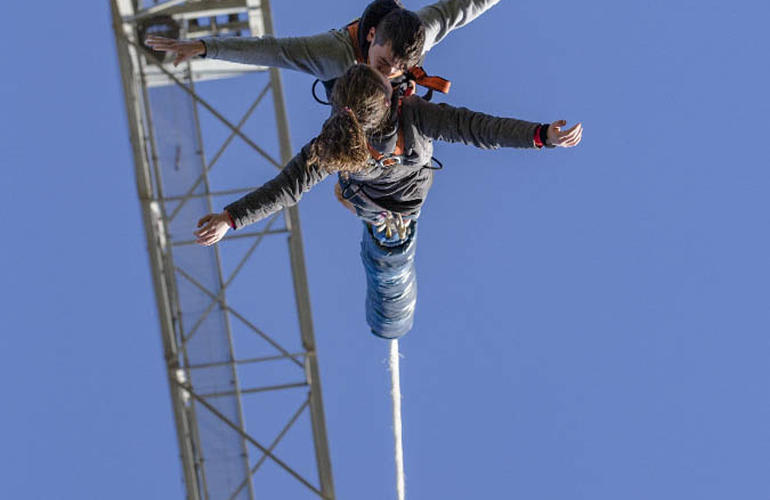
538	143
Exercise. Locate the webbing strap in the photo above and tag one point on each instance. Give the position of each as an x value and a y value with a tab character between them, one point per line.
396	152
430	82
353	32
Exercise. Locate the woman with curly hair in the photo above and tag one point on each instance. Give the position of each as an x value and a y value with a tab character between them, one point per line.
381	147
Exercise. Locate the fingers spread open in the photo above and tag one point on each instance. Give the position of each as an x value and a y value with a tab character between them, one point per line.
569	137
574	140
209	240
571	133
577	139
161	43
206	239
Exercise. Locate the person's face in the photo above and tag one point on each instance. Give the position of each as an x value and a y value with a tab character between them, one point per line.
381	58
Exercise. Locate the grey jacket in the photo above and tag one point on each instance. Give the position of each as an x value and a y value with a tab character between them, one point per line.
400	188
328	55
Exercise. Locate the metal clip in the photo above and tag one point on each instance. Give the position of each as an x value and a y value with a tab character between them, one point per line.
389	161
390	224
400	227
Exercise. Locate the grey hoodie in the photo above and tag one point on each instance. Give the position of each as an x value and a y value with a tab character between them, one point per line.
328	55
400	188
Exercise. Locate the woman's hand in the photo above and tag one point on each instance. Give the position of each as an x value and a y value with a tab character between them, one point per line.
184	49
564	138
214	228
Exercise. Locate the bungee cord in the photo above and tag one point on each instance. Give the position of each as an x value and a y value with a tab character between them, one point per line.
395	392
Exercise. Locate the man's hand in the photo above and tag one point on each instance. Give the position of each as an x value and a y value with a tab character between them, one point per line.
184	49
214	228
564	138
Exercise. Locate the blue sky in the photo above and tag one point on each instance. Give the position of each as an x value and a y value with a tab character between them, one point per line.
591	324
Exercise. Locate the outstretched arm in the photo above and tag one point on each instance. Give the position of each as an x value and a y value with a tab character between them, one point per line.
447	123
284	190
442	17
324	56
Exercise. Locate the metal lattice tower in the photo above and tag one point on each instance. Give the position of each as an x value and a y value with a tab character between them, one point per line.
245	389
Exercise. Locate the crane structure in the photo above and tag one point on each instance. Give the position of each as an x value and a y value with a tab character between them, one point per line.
245	387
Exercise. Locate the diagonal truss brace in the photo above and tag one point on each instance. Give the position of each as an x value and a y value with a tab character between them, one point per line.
247	437
217	299
272	446
217	155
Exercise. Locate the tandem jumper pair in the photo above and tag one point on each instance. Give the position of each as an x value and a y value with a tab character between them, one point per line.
388	193
389	201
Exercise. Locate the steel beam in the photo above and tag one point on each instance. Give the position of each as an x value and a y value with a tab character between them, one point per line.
146	195
139	73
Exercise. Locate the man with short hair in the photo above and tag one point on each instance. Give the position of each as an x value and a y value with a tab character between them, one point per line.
390	38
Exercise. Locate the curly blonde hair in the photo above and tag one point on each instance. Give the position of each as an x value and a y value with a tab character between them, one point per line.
360	106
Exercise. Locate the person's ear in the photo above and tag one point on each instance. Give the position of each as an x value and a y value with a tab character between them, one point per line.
370	35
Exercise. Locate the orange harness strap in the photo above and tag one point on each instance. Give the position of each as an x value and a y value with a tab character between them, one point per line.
396	152
353	32
430	82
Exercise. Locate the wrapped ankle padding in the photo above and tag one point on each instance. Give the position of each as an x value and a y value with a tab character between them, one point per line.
391	284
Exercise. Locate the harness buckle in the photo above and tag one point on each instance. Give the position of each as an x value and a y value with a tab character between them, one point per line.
390	161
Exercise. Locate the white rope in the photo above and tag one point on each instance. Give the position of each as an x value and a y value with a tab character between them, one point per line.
395	392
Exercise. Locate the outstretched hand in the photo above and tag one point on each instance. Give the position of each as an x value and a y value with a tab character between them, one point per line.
214	228
184	49
564	138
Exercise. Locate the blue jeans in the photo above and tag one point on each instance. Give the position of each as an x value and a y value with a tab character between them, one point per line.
391	281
